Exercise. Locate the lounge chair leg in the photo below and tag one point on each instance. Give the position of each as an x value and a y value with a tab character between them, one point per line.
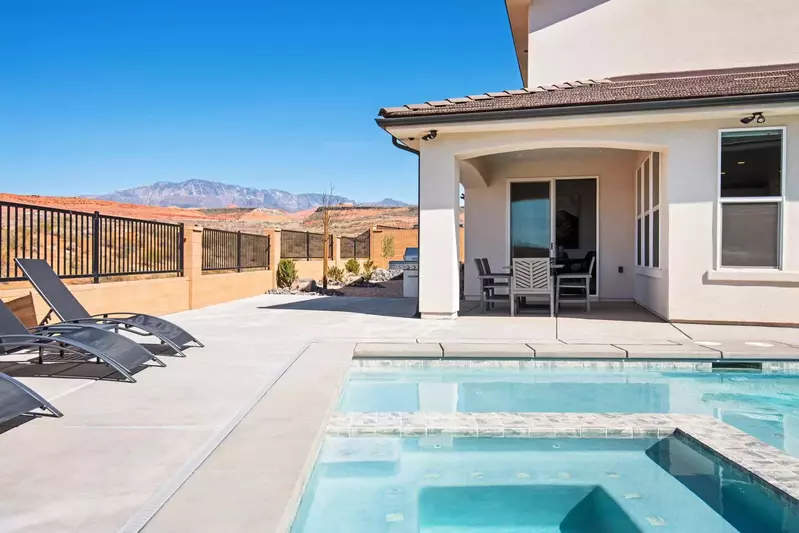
41	355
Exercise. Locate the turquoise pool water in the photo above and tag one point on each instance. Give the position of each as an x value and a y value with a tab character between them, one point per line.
765	405
462	485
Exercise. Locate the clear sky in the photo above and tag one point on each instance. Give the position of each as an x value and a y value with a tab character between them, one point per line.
109	94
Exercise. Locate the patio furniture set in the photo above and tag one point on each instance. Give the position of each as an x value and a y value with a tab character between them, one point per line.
535	278
79	334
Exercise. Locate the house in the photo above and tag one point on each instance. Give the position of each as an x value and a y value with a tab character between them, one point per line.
661	135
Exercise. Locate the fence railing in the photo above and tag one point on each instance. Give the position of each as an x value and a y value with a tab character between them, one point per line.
234	250
304	245
87	245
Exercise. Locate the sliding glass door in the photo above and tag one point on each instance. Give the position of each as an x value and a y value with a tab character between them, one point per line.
556	218
530	219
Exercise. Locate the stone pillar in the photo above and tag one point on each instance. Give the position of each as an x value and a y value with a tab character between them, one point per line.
274	253
438	235
192	258
336	250
376	247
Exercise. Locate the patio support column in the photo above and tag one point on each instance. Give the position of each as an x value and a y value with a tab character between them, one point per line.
439	205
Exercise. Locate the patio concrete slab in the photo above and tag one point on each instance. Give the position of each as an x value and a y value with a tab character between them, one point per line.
254	480
493	329
386	350
686	350
733	349
487	351
577	351
716	332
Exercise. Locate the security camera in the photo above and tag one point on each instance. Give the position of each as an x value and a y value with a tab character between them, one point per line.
758	115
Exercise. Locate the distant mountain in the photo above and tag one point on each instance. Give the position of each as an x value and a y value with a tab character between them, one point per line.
212	194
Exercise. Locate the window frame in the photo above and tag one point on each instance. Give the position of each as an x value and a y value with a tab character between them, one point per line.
779	200
647	253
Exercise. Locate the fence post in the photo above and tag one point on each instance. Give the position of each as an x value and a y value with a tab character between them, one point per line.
96	247
307	245
274	254
182	250
193	259
238	251
374	247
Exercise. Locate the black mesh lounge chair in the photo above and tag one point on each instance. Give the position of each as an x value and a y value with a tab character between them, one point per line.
16	399
118	352
64	304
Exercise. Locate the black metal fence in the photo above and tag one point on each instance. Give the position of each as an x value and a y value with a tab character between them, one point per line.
356	247
87	245
234	250
362	245
304	245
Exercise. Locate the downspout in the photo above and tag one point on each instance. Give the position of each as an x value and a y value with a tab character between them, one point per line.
399	144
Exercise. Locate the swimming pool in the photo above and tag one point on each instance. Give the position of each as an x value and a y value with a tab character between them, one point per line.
476	485
763	404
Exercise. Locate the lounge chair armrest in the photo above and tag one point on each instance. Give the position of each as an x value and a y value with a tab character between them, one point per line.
111	315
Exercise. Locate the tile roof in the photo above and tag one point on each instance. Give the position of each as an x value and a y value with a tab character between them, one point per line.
644	88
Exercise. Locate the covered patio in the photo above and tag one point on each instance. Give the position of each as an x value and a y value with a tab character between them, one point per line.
596	209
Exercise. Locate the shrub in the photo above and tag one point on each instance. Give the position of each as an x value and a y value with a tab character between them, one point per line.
368	269
352	266
387	247
286	273
334	273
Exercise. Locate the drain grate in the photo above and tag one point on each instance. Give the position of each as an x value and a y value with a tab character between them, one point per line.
737	365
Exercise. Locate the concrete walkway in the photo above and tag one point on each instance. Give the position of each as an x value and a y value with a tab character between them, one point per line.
121	448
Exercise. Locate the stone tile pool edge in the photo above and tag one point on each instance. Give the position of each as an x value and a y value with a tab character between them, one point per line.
766	464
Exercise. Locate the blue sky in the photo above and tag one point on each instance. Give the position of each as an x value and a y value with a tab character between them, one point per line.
109	94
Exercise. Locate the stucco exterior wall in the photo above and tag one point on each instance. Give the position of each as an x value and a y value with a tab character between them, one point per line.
581	39
487	216
688	287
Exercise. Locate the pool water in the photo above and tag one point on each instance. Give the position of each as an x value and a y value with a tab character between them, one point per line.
465	485
765	405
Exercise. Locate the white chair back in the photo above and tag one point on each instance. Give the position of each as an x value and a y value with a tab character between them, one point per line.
531	276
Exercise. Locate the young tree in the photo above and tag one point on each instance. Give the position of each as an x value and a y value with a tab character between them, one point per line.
328	201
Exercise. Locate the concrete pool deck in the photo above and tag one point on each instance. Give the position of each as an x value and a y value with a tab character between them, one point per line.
122	450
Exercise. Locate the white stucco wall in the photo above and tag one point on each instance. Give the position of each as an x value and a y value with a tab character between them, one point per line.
486	216
581	39
689	287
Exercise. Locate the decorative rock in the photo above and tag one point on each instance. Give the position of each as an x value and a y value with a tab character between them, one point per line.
306	285
381	274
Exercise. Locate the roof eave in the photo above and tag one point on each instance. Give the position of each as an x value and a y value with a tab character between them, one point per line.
588	109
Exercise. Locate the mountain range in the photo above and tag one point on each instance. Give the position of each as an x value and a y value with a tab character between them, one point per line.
212	194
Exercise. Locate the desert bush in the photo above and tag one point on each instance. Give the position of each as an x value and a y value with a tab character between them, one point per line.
286	273
352	266
368	269
334	273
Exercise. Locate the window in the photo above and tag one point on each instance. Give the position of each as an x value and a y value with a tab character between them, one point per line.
751	197
647	212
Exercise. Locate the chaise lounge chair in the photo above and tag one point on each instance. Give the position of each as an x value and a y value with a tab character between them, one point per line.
64	304
16	399
120	353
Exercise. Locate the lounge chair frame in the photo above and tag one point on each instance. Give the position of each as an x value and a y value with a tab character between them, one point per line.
128	321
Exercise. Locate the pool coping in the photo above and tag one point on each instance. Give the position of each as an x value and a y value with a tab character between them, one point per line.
687	350
769	466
